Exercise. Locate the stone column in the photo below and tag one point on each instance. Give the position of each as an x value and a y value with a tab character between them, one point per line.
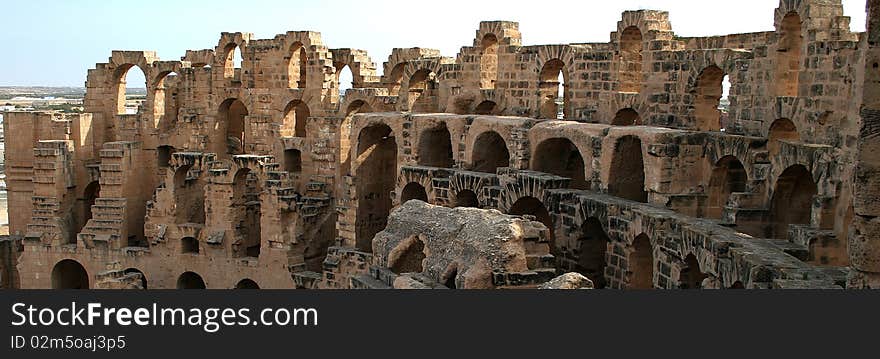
864	239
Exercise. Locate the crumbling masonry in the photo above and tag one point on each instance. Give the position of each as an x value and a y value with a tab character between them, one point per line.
627	171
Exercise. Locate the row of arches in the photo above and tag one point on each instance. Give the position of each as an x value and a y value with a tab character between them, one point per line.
70	274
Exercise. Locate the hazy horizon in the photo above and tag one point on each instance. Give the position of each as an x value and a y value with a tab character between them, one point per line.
54	43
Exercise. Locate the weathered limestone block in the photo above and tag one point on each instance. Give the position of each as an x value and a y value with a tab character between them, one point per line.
568	281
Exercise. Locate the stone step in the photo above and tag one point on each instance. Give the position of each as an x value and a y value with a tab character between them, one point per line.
364	281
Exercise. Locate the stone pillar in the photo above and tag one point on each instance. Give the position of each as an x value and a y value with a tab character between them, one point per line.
864	239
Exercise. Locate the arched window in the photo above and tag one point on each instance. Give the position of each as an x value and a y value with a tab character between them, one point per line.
489	62
296	67
233	62
707	99
296	116
788	55
395	79
554	97
131	89
630	71
69	274
344	78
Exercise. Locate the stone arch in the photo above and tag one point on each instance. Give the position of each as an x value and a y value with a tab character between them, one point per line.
163	155
189	245
792	200
143	277
166	101
728	176
549	88
247	283
435	147
376	180
467	198
707	94
592	247
69	274
781	129
232	58
626	178
488	61
561	157
189	196
90	195
626	117
395	78
120	85
296	115
535	207
408	256
246	212
690	275
630	67
231	119
641	263
413	191
788	54
344	77
190	280
485	108
489	153
423	95
297	66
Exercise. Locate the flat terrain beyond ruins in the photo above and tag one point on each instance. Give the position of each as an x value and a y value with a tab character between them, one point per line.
648	161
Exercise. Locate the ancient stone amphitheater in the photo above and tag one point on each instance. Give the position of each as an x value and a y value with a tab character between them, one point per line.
616	160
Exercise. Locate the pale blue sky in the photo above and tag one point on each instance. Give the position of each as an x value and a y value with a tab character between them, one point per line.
53	43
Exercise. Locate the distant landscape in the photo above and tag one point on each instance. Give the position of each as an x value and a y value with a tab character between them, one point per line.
64	99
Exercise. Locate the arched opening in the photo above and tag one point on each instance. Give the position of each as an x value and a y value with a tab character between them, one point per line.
358	106
396	79
627	176
489	62
467	198
246	199
189	196
593	244
449	279
792	200
90	195
131	89
140	277
69	274
423	96
296	67
296	116
189	245
728	177
737	285
490	153
534	207
344	78
559	156
231	119
781	130
166	105
788	55
435	147
376	180
190	280
551	87
408	256
691	277
233	62
163	156
707	99
724	103
626	117
345	134
485	108
247	284
292	160
413	191
630	71
641	264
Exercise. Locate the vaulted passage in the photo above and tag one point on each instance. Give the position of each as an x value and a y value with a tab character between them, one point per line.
626	117
90	195
627	176
376	179
551	88
792	200
490	153
190	280
69	274
408	257
166	101
297	66
292	160
641	264
707	99
534	207
138	273
485	108
423	94
788	55
163	156
247	215
781	130
592	246
489	62
413	191
435	147
247	284
691	277
559	156
467	198
728	176
189	196
189	245
630	71
296	116
231	120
